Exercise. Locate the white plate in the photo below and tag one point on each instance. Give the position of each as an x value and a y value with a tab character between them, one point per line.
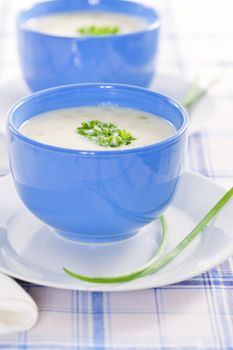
32	252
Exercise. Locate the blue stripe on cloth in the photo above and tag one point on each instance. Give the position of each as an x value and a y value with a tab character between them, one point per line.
158	312
109	334
85	316
98	319
218	282
22	339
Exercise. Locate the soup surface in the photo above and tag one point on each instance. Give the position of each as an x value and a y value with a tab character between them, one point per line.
59	127
69	24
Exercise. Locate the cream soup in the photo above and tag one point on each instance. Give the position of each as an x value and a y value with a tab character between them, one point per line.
68	24
59	127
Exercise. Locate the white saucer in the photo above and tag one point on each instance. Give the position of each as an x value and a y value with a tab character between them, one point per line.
31	252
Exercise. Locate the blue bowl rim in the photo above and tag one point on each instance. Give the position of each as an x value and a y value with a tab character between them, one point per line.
151	27
152	147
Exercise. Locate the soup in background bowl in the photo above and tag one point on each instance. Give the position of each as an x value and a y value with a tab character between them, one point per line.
53	50
82	24
96	195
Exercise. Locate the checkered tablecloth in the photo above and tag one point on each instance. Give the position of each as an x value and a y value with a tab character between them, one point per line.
197	40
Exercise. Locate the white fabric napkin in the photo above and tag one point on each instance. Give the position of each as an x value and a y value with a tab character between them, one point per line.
18	312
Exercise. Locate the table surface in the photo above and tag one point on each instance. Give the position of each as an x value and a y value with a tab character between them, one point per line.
196	41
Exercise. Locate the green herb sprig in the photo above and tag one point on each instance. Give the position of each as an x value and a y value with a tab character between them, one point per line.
99	30
105	134
158	264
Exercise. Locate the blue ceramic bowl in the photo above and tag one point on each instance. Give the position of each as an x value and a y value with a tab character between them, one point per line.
49	61
99	196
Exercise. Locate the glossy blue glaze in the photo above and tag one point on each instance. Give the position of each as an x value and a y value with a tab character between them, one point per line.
96	195
49	61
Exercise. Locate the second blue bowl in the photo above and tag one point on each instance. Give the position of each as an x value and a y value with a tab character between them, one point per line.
49	60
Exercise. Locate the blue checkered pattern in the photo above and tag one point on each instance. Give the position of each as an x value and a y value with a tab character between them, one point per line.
196	314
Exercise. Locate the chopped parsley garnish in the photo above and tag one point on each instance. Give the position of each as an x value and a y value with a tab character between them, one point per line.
99	30
105	134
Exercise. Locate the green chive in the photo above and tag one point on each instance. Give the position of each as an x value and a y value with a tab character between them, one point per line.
158	264
195	94
142	268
